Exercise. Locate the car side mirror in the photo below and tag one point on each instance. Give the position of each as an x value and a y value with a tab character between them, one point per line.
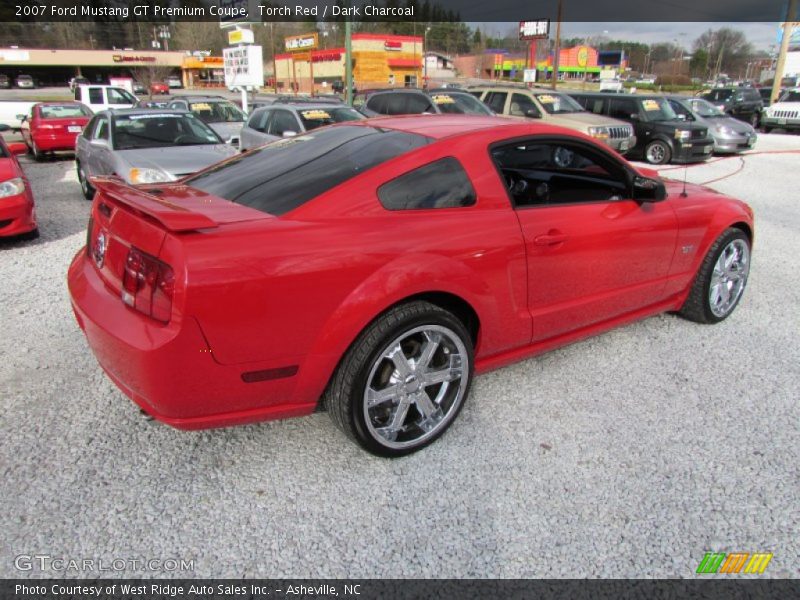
288	134
17	148
99	142
533	114
635	117
648	190
681	117
22	118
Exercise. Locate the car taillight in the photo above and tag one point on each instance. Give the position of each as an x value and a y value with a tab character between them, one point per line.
148	285
89	231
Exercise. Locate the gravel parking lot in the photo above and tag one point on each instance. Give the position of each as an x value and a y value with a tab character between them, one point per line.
627	455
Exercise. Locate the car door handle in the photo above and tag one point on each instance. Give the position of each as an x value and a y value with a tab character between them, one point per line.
550	239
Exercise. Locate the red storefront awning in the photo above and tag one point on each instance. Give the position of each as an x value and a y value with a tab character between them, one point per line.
404	63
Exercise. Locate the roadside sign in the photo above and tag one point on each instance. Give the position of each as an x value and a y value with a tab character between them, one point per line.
534	30
529	76
244	66
240	36
301	43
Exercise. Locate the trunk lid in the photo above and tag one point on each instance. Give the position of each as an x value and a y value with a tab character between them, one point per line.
124	216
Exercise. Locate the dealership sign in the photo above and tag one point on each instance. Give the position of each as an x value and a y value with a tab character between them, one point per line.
244	66
534	30
300	43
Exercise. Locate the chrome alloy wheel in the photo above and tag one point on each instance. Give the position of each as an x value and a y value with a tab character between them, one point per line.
415	386
729	277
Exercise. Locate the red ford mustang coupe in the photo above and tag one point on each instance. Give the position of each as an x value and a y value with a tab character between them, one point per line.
371	268
53	126
17	211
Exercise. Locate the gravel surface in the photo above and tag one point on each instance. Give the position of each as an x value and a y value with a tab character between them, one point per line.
627	455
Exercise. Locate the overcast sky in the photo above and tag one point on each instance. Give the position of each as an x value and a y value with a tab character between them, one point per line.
761	35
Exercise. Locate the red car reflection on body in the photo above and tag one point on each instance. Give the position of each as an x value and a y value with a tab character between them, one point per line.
53	126
17	212
370	268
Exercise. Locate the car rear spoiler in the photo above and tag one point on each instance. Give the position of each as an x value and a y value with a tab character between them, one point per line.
172	216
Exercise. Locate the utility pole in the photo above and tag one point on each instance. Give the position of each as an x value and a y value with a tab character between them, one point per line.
788	25
558	47
348	62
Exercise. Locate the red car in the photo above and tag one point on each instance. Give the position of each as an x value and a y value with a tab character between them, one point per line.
372	267
53	126
17	212
159	87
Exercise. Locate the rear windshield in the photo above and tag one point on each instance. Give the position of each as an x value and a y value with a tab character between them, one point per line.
317	117
283	175
64	111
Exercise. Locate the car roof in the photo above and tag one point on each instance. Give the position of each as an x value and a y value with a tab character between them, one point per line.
207	98
300	106
117	112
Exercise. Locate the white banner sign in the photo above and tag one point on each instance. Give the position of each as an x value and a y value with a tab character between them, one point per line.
529	76
244	66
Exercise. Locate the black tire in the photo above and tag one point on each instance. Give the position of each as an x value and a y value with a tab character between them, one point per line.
31	235
697	306
344	396
657	152
35	152
766	128
86	188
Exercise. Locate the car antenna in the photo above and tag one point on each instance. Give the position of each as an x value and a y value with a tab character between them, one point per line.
685	173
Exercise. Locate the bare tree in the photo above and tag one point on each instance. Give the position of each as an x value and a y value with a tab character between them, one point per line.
150	74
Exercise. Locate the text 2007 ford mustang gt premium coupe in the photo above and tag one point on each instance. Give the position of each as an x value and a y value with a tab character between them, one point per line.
373	267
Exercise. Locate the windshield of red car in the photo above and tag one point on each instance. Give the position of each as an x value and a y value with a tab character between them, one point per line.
64	111
285	174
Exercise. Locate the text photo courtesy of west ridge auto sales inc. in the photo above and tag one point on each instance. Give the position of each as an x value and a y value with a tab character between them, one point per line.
399	299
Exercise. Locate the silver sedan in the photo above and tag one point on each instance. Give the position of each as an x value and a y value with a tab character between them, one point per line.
730	135
146	146
277	121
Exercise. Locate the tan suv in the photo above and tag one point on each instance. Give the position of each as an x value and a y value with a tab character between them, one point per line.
555	108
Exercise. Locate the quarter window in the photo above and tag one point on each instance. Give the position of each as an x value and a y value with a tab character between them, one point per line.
441	184
496	101
101	131
95	95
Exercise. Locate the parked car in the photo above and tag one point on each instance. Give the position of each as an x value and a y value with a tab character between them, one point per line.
145	146
784	114
741	102
730	135
25	82
277	121
17	210
660	136
159	104
372	267
102	97
159	87
53	127
174	82
414	102
222	115
76	81
139	88
556	108
5	82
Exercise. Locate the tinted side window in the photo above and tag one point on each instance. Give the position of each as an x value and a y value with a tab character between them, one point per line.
95	95
441	184
622	108
378	104
522	106
283	121
496	101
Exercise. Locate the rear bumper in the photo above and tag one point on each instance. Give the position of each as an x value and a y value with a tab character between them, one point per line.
169	370
56	143
17	215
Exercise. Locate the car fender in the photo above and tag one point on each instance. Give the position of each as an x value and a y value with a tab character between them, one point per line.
406	276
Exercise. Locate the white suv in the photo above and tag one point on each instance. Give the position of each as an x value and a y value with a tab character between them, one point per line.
784	114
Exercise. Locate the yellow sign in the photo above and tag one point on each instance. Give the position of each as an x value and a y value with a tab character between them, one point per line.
315	114
443	99
240	36
650	105
583	56
299	43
